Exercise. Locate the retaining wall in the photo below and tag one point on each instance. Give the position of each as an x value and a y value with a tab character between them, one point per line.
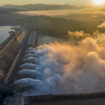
8	51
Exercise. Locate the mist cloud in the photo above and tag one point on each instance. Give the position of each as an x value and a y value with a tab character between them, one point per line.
66	68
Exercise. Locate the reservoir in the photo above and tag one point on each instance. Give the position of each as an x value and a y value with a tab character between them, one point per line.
4	32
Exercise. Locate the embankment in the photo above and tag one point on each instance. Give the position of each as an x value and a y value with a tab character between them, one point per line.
8	51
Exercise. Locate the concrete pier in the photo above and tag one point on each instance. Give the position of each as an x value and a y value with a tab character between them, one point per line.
73	99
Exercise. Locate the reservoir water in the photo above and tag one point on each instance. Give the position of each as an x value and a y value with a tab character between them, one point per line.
4	33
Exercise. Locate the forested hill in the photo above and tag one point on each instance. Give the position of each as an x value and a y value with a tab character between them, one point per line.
42	7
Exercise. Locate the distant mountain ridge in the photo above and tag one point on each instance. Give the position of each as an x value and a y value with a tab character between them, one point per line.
29	7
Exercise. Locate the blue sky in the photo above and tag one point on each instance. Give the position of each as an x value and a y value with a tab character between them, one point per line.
83	2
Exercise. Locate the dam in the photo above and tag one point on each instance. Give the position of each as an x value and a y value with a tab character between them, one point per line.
15	53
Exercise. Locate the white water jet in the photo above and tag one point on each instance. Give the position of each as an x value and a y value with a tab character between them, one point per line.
28	83
28	66
30	74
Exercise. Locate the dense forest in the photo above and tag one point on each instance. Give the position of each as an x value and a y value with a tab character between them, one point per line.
60	27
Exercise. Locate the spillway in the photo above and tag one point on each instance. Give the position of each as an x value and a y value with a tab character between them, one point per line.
26	80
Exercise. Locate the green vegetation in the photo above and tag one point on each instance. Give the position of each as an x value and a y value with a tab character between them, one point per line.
60	27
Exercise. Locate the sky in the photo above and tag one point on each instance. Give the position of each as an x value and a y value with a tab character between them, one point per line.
20	2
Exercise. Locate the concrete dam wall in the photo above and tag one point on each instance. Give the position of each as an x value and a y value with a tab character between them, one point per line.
8	51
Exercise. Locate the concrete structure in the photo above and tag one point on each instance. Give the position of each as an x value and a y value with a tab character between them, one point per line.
77	99
11	52
32	41
8	51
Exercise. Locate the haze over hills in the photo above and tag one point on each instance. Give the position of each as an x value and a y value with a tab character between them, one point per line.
42	7
66	17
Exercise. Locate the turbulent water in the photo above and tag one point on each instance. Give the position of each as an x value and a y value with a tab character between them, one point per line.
60	68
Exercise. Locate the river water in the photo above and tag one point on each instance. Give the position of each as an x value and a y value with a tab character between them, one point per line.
4	33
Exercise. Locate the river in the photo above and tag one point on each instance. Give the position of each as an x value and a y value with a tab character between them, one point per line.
4	33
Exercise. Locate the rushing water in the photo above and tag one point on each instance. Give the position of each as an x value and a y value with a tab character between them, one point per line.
4	32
